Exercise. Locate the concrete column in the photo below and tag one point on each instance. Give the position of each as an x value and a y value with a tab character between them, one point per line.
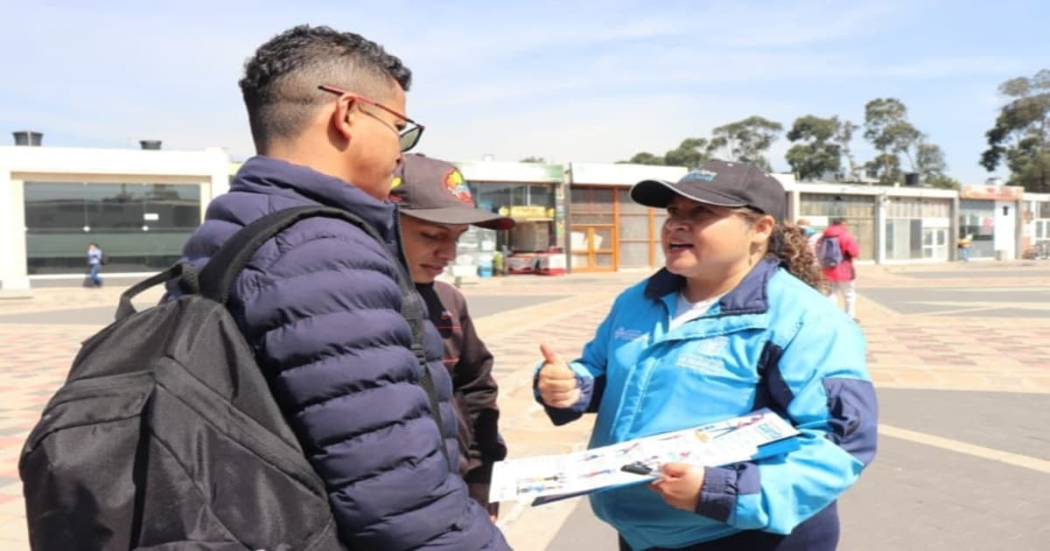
794	205
880	228
219	183
953	239
1019	230
13	263
562	210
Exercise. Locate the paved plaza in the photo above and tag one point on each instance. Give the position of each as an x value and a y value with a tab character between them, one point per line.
960	354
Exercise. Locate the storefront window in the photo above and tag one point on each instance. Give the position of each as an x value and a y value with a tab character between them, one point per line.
858	210
1042	220
530	205
977	220
592	232
917	228
1044	210
141	227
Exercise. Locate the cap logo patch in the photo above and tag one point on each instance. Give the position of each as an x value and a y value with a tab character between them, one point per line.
455	185
702	175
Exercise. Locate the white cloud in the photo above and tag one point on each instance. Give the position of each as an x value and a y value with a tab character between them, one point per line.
593	129
941	67
561	79
738	24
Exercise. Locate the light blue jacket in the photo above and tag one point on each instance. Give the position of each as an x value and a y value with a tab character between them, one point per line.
771	342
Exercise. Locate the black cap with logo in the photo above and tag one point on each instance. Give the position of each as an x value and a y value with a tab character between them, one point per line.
435	191
720	183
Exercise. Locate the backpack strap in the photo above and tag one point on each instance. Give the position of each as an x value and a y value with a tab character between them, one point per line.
187	284
217	278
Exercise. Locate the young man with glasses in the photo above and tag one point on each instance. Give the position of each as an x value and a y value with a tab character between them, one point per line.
320	302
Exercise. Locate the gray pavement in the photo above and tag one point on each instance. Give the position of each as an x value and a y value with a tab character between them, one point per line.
969	270
1010	421
996	302
479	305
96	315
920	497
487	305
917	495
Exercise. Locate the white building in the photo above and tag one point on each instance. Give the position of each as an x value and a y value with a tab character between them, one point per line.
138	205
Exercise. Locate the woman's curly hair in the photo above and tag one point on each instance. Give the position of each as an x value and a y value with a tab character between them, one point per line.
789	245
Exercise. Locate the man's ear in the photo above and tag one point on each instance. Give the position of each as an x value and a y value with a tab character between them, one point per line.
343	118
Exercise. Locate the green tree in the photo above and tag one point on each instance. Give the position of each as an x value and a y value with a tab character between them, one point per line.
813	128
819	154
645	158
691	153
811	161
843	138
1021	132
533	159
932	168
886	167
886	126
746	140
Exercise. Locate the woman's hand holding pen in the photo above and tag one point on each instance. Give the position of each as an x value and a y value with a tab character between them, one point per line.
680	485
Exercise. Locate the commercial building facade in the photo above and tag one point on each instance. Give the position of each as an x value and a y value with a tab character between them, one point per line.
140	205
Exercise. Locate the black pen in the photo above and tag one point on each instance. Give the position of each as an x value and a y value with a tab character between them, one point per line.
636	468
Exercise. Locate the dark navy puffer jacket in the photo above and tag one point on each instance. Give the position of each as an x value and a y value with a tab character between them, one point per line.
321	307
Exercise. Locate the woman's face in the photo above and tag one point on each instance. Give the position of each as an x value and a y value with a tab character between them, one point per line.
706	241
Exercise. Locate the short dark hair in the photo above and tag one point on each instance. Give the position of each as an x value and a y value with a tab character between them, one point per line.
280	81
838	221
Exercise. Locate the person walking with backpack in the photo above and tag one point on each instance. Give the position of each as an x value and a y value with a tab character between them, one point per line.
320	303
436	209
836	250
95	259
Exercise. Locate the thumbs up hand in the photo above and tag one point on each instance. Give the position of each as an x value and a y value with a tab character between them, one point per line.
557	381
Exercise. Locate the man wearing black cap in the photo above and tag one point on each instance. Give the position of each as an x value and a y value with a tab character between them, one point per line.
436	209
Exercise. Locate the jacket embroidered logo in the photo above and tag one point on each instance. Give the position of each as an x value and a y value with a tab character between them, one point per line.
702	364
625	334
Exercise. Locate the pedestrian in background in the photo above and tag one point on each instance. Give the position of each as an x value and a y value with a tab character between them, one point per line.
836	250
964	244
95	259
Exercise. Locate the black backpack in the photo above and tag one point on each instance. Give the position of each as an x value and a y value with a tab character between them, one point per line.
166	435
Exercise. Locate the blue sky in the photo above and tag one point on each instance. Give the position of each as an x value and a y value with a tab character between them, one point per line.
569	81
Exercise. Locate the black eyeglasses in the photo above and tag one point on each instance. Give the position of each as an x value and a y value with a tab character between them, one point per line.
408	136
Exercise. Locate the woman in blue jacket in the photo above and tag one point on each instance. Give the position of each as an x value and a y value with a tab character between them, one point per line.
733	323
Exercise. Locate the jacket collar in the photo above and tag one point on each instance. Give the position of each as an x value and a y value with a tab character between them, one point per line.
278	177
749	297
